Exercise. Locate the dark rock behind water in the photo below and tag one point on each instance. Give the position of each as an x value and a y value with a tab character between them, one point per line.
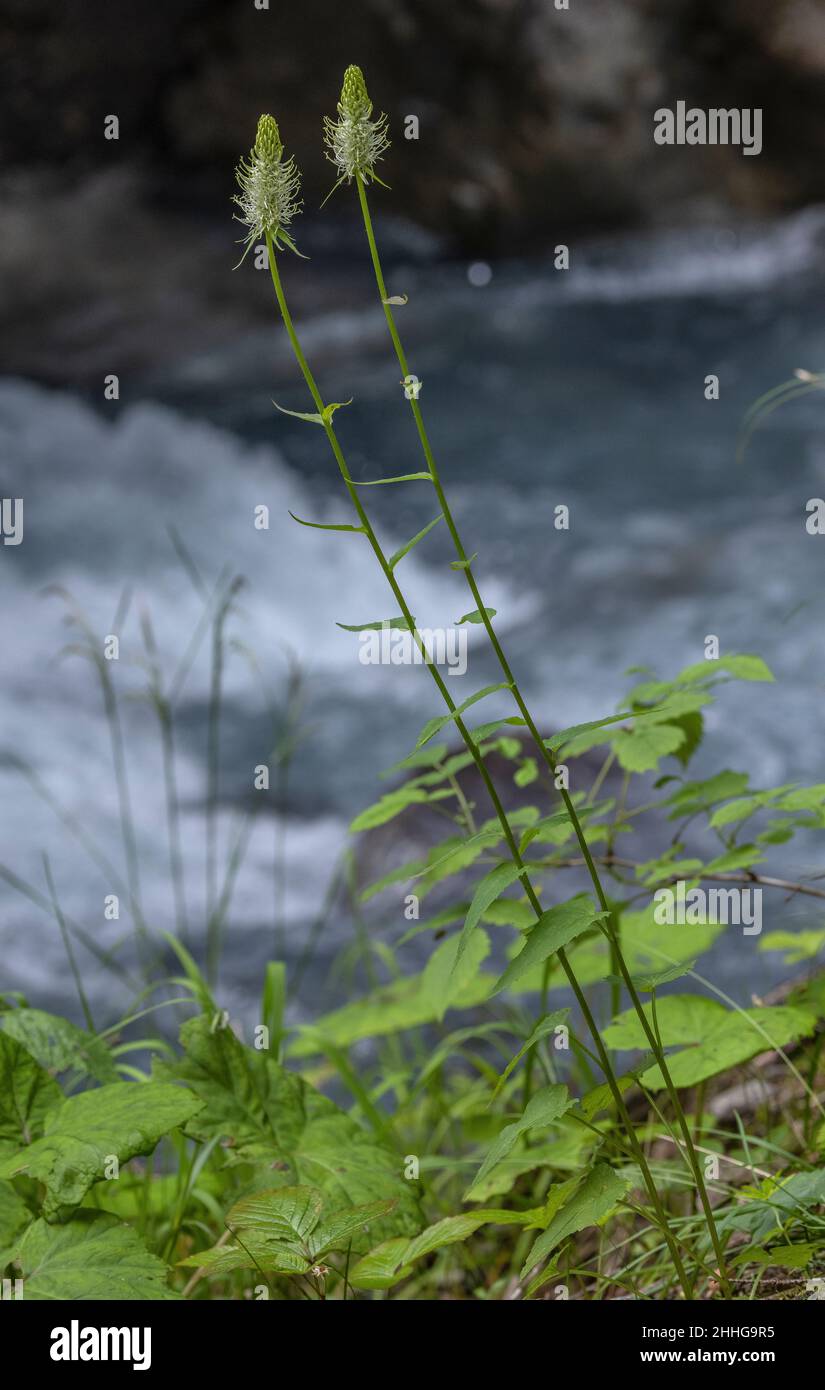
534	121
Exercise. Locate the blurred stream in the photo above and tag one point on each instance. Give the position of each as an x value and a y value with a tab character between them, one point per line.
541	387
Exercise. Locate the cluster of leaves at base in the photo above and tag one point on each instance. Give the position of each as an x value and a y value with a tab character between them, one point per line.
57	1177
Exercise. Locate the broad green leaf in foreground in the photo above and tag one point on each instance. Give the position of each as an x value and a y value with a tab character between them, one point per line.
285	1213
389	807
547	1105
59	1045
553	931
85	1131
567	736
743	807
392	1261
93	1256
693	797
775	1204
566	1150
394	1008
252	1251
681	1018
600	1192
722	1038
445	977
803	799
338	1228
782	1256
744	667
287	1231
27	1093
14	1217
641	750
308	1218
265	1114
487	891
382	1267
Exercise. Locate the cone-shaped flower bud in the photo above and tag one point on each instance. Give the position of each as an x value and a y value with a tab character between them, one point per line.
268	140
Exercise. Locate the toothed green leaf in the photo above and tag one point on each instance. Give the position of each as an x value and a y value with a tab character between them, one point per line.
554	930
594	1200
84	1132
92	1257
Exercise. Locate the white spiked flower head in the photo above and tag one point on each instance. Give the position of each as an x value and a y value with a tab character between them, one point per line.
269	186
354	142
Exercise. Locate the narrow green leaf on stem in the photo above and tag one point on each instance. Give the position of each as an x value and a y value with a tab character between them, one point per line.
434	726
405	549
555	929
476	616
402	478
326	526
378	625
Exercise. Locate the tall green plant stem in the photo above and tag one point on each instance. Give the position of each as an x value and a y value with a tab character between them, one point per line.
473	749
609	928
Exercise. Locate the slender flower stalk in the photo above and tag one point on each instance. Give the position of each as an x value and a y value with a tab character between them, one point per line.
607	926
325	418
473	749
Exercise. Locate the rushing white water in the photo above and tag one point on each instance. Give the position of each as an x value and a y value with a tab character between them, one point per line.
583	388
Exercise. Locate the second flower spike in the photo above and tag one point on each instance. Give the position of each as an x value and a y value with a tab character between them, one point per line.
355	142
269	186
